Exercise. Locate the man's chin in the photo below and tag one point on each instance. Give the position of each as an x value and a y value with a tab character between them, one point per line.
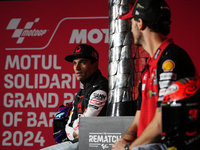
79	79
137	44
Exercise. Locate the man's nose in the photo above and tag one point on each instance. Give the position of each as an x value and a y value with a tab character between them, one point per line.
77	66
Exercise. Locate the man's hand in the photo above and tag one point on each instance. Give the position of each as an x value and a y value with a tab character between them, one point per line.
75	135
119	145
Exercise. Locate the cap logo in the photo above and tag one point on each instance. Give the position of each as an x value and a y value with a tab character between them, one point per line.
193	113
164	7
191	133
78	49
137	12
94	55
139	6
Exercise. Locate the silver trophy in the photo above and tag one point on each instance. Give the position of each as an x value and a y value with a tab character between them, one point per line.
120	67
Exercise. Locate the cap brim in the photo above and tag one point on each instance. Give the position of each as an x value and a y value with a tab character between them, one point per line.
69	58
130	14
127	16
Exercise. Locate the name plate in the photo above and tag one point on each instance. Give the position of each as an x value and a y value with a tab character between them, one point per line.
100	133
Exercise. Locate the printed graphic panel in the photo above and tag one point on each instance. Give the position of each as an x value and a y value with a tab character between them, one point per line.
35	78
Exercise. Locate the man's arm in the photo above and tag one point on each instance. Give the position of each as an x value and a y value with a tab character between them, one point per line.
69	126
96	103
130	134
152	132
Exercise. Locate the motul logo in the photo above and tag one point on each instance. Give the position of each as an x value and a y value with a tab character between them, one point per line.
93	36
20	34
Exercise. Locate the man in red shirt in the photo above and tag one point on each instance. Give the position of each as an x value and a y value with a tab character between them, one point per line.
150	25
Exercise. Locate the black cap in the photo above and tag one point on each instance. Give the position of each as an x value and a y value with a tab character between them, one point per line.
150	10
83	51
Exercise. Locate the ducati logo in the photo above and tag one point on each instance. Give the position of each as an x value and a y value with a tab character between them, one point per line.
78	49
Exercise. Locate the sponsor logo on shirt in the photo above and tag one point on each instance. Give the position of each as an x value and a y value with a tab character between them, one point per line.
164	84
93	106
96	102
99	96
145	76
151	93
168	65
162	92
157	53
173	88
168	76
80	108
143	87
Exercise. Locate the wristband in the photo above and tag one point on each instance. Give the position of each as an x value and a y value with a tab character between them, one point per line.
127	146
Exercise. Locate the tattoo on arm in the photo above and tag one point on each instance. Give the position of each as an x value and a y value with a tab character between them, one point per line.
131	133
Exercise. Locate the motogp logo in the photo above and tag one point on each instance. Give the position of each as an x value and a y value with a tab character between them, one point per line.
20	34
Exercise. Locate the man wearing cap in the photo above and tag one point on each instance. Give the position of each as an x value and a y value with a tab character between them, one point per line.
150	25
91	100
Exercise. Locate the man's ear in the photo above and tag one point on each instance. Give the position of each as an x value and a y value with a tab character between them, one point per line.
96	65
141	25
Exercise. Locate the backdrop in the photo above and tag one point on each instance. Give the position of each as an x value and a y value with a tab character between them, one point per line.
35	80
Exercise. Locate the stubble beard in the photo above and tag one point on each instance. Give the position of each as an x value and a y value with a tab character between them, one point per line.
138	41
